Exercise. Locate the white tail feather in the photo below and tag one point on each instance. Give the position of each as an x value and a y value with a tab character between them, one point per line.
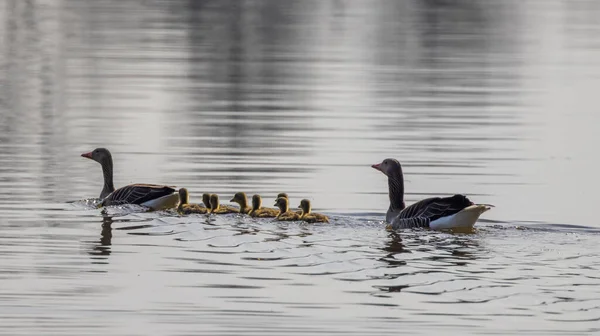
165	202
466	218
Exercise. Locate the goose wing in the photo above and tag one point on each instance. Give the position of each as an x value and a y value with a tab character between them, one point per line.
137	194
420	214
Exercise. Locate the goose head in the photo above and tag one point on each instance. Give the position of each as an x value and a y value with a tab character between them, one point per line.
282	204
305	206
389	167
103	157
256	202
393	170
100	155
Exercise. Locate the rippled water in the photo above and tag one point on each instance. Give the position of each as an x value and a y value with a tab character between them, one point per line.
494	99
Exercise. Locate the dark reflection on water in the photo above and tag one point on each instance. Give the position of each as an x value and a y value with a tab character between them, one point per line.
494	99
103	246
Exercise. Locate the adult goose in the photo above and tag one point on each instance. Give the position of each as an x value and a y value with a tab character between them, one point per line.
155	197
436	213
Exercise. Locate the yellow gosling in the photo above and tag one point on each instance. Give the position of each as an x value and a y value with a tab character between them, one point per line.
259	211
284	212
311	217
184	204
206	200
216	208
284	195
241	199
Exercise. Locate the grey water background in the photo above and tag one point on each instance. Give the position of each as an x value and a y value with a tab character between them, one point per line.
494	99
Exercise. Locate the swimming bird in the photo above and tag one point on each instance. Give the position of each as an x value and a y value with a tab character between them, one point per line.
216	208
284	195
186	207
284	212
436	213
259	211
311	217
241	199
155	197
206	200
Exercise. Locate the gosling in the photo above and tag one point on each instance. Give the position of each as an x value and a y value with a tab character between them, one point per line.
241	199
216	208
185	207
259	211
284	212
311	217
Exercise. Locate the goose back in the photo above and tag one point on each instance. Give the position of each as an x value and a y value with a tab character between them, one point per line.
137	194
422	213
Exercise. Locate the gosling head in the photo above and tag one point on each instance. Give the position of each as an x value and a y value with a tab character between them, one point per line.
206	200
256	202
239	198
214	202
284	195
305	206
282	204
184	196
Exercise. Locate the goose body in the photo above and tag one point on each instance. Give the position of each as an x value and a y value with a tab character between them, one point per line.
435	213
153	196
465	218
440	213
259	211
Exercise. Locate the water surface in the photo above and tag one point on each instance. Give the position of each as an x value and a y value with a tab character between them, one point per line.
496	100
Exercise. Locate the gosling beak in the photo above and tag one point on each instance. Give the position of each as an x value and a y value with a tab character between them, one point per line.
299	206
377	166
87	155
231	200
275	204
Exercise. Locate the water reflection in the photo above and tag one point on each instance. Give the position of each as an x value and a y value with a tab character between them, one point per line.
481	98
103	247
394	244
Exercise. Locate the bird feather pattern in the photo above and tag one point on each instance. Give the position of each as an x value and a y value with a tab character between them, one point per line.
137	194
422	213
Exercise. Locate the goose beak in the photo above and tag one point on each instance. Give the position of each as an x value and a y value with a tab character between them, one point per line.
376	166
231	200
87	155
